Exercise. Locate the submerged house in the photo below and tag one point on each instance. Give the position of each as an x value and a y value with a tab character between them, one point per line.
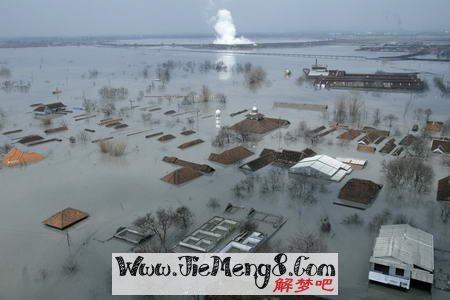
16	157
441	146
434	126
181	175
358	193
257	123
443	193
322	166
402	255
51	108
230	156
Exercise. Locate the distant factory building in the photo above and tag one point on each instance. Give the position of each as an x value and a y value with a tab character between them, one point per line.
402	254
322	166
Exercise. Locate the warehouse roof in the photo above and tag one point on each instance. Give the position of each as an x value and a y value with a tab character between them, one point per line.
406	244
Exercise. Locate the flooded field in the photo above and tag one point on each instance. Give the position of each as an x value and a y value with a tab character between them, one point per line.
39	262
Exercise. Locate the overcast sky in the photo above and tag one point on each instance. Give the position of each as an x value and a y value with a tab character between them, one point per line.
120	17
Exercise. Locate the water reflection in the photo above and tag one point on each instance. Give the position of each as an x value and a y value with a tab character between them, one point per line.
229	60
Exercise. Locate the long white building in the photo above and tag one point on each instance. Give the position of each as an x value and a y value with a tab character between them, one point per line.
322	166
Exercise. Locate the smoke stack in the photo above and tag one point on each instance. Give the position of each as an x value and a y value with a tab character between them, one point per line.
226	31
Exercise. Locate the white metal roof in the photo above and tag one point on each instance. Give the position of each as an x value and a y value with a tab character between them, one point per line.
324	164
407	244
353	161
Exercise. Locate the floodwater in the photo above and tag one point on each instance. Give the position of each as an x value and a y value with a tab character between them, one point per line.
115	191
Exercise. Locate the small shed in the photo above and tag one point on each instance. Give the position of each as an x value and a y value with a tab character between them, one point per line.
65	218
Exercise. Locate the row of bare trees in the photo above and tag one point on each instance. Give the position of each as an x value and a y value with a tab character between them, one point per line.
165	225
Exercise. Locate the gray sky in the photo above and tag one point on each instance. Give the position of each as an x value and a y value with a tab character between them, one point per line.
118	17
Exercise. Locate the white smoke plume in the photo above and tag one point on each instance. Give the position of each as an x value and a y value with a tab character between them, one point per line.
226	31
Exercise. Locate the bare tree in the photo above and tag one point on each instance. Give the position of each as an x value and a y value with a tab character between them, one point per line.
159	225
340	112
306	243
2	118
355	107
419	147
390	119
5	72
428	112
89	105
255	76
205	94
408	173
376	117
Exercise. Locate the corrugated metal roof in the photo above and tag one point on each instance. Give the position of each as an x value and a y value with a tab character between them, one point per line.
326	165
353	161
407	244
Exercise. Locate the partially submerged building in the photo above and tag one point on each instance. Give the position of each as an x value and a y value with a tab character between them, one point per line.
181	175
259	162
257	123
355	163
441	146
288	158
30	139
16	157
358	193
443	192
365	148
322	166
434	126
238	230
350	134
183	163
373	136
66	218
51	108
408	140
231	156
402	255
388	147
